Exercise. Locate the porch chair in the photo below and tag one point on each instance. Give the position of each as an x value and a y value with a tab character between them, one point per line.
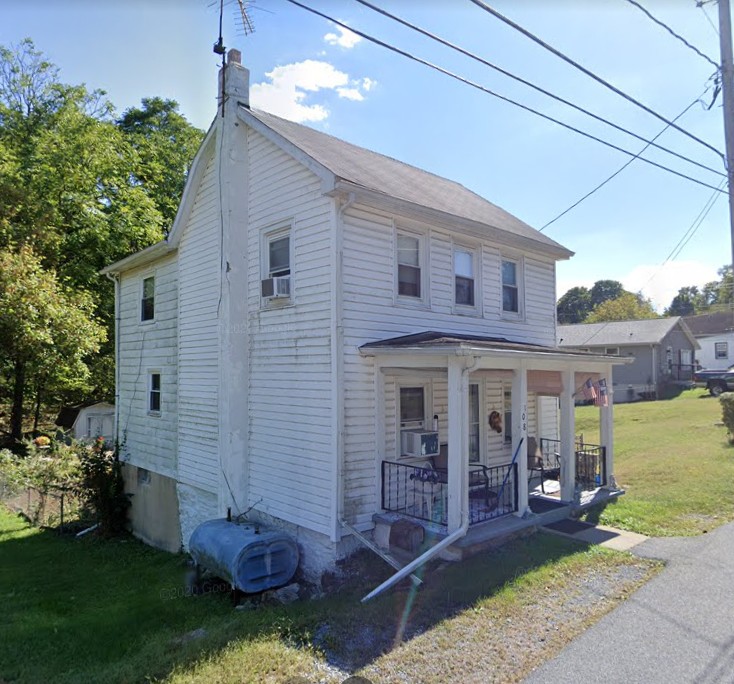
537	463
478	477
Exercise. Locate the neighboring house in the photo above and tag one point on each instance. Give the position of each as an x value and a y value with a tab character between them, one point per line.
88	420
663	350
714	332
320	322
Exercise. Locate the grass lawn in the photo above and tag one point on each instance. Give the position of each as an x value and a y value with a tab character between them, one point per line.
116	611
674	460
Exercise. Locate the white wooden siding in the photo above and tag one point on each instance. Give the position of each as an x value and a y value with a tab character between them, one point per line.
198	352
290	448
371	313
149	441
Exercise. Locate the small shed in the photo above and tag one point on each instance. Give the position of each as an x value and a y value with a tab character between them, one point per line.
88	420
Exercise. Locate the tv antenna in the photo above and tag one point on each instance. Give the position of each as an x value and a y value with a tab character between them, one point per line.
242	16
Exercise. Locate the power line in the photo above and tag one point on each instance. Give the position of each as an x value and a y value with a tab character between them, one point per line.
484	89
702	5
489	64
619	170
674	34
483	5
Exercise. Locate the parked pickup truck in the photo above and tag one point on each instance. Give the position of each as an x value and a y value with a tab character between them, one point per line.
715	381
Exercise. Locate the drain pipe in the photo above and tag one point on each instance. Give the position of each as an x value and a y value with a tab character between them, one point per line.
434	550
421	560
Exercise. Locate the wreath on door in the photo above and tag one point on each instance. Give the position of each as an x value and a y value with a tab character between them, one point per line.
495	421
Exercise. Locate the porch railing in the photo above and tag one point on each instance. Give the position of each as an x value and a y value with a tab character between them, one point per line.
591	461
422	492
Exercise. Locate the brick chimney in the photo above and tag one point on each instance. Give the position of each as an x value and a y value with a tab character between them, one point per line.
236	89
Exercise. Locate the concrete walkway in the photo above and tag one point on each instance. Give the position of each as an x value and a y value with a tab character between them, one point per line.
677	628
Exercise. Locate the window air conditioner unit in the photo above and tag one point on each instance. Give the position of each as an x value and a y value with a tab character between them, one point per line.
276	287
419	443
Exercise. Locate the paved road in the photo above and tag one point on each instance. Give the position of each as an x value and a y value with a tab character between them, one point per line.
678	628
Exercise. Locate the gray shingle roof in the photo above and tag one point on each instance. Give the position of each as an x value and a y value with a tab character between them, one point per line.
394	178
711	323
617	333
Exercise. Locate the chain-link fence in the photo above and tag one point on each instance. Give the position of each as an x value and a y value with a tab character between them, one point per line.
57	507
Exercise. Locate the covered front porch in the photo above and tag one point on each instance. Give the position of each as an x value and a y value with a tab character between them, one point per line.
478	434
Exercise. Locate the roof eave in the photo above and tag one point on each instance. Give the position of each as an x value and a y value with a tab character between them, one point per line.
421	212
471	350
141	258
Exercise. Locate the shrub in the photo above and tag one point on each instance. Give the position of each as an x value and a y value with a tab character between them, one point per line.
727	409
103	486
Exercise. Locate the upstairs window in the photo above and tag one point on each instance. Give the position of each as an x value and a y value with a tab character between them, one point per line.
154	393
147	304
464	277
409	266
510	286
279	256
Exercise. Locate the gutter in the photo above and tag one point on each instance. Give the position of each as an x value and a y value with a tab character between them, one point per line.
115	278
421	560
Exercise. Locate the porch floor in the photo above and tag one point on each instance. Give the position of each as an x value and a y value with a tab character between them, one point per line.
544	509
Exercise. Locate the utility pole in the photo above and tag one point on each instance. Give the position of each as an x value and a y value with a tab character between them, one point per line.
727	90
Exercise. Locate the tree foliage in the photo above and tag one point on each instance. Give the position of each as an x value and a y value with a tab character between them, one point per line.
626	307
574	306
165	144
46	330
79	189
605	290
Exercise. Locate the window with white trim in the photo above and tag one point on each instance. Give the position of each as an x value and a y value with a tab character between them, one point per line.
464	277
507	415
147	299
154	392
721	350
279	254
411	276
475	429
511	286
413	407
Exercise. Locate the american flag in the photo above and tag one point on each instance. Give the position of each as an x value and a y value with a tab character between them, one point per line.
589	391
602	396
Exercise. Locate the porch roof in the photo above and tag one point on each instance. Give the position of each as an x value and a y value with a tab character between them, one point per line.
445	343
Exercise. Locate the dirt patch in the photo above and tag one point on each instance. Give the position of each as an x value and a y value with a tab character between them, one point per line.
490	641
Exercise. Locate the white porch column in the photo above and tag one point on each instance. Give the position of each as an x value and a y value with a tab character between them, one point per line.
520	431
606	429
458	465
568	436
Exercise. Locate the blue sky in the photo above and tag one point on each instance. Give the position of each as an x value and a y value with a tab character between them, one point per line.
306	69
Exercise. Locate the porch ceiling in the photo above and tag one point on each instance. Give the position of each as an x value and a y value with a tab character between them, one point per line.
432	343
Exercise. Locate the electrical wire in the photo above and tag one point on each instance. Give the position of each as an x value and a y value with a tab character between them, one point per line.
619	170
702	5
484	89
674	253
529	84
673	33
483	5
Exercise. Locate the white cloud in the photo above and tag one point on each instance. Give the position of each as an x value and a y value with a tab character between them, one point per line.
285	92
345	38
290	84
350	94
661	284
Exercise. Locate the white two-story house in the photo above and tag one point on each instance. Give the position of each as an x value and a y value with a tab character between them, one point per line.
329	335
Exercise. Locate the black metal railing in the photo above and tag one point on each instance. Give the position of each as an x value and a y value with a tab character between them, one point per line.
422	492
591	461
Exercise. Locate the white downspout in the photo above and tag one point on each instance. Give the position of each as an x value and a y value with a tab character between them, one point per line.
115	278
454	536
337	365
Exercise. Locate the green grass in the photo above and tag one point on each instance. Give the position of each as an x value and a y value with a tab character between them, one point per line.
673	459
114	611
